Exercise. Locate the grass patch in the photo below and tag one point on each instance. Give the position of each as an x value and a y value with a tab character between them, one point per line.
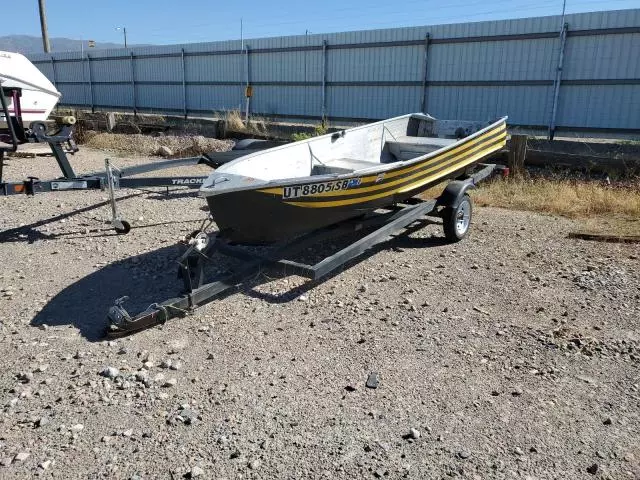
233	121
318	131
561	197
602	209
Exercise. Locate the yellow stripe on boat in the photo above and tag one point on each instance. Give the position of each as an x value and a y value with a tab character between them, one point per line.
383	185
394	173
417	184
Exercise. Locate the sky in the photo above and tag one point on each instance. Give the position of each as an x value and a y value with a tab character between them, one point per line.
189	21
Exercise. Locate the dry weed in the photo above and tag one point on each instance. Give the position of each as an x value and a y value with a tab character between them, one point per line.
258	125
601	209
233	121
184	145
561	197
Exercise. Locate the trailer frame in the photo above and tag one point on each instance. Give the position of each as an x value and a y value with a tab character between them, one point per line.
201	247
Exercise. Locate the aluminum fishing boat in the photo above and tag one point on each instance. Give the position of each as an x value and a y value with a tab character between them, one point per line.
283	192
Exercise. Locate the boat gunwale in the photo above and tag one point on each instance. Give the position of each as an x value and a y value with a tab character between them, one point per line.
375	169
34	87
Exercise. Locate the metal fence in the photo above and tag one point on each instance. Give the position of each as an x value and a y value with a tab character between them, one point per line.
580	75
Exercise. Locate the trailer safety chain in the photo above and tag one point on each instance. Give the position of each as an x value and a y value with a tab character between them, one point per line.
161	308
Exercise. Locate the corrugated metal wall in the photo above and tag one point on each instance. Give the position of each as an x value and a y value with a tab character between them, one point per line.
474	71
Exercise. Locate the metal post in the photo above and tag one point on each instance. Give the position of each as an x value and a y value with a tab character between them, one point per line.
53	70
133	84
43	26
324	81
517	154
84	77
423	101
90	84
556	83
184	85
247	97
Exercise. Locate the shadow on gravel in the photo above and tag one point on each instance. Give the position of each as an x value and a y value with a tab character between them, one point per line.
30	232
145	278
152	277
398	244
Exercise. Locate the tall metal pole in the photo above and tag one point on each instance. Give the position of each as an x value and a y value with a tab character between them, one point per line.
247	97
241	53
93	107
324	82
425	73
43	26
133	84
557	81
184	85
558	77
124	33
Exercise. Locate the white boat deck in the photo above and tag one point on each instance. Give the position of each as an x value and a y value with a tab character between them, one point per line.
400	149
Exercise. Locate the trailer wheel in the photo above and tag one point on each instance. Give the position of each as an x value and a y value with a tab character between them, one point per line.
126	228
456	221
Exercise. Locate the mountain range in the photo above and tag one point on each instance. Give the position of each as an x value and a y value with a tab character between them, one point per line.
33	44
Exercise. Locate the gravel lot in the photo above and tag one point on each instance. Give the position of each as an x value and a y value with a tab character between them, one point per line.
513	354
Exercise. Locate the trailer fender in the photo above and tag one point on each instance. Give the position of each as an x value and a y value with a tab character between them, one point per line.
454	192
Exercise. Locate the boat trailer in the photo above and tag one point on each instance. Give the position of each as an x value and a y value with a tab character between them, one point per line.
112	178
453	207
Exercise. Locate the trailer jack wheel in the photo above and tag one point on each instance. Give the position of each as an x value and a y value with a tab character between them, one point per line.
122	227
457	220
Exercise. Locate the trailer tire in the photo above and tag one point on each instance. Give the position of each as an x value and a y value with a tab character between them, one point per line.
126	228
457	220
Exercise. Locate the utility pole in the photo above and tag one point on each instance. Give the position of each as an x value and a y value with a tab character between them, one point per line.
124	31
43	25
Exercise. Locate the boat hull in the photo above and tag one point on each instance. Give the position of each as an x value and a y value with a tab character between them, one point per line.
267	215
256	218
38	95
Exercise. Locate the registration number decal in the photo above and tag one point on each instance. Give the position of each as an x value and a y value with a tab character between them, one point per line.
297	191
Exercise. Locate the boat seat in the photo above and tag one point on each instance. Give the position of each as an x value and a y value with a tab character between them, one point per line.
341	165
406	148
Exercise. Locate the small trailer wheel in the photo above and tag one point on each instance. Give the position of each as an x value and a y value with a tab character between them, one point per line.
456	221
126	228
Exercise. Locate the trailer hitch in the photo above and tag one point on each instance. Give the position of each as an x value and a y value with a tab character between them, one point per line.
118	315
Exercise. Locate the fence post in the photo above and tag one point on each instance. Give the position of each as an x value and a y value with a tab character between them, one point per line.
557	80
324	82
423	101
246	92
517	154
184	85
53	69
133	85
90	85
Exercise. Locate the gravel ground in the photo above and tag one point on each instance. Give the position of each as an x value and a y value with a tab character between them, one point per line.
513	354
